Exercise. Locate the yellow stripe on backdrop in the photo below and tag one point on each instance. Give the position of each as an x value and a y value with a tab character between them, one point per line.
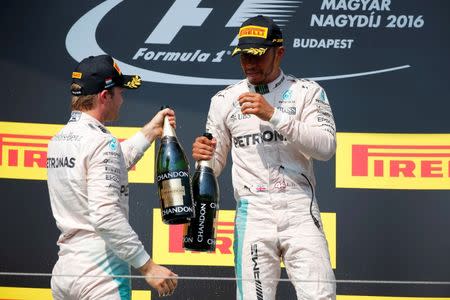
13	293
354	297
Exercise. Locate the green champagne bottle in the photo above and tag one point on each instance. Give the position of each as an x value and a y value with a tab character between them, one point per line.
200	233
172	176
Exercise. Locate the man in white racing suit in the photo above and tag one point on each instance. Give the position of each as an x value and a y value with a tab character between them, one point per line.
275	125
88	186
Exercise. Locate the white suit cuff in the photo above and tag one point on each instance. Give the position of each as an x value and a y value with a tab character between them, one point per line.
140	259
139	142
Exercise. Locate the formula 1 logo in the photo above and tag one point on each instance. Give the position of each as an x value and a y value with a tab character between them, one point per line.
182	13
186	43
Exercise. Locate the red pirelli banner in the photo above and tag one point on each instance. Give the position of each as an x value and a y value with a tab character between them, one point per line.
393	161
168	242
23	151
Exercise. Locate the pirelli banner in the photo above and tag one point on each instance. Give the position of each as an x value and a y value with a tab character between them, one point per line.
169	247
23	151
393	161
383	64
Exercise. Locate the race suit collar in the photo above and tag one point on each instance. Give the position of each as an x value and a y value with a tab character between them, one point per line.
76	116
266	88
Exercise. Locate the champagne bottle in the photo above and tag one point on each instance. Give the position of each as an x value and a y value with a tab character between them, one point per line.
200	233
172	175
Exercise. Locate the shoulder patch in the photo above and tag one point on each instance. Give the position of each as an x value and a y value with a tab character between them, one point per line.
323	97
113	144
75	116
287	95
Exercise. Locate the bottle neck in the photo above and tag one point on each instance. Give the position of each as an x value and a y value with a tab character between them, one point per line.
206	163
167	129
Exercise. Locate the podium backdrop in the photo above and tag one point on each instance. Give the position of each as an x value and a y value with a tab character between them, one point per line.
385	196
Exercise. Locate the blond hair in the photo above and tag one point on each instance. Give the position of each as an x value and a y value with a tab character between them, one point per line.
83	102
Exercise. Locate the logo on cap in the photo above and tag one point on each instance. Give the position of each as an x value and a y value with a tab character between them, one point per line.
253	31
117	68
76	75
109	83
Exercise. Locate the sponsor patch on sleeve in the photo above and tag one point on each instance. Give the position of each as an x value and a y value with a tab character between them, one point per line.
323	96
113	144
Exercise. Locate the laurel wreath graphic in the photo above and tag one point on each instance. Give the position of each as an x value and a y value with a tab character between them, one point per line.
134	83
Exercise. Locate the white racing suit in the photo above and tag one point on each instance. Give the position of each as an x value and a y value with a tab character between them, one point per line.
88	185
277	215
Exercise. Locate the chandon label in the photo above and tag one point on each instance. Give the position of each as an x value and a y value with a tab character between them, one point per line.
177	210
201	222
188	240
173	191
170	175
